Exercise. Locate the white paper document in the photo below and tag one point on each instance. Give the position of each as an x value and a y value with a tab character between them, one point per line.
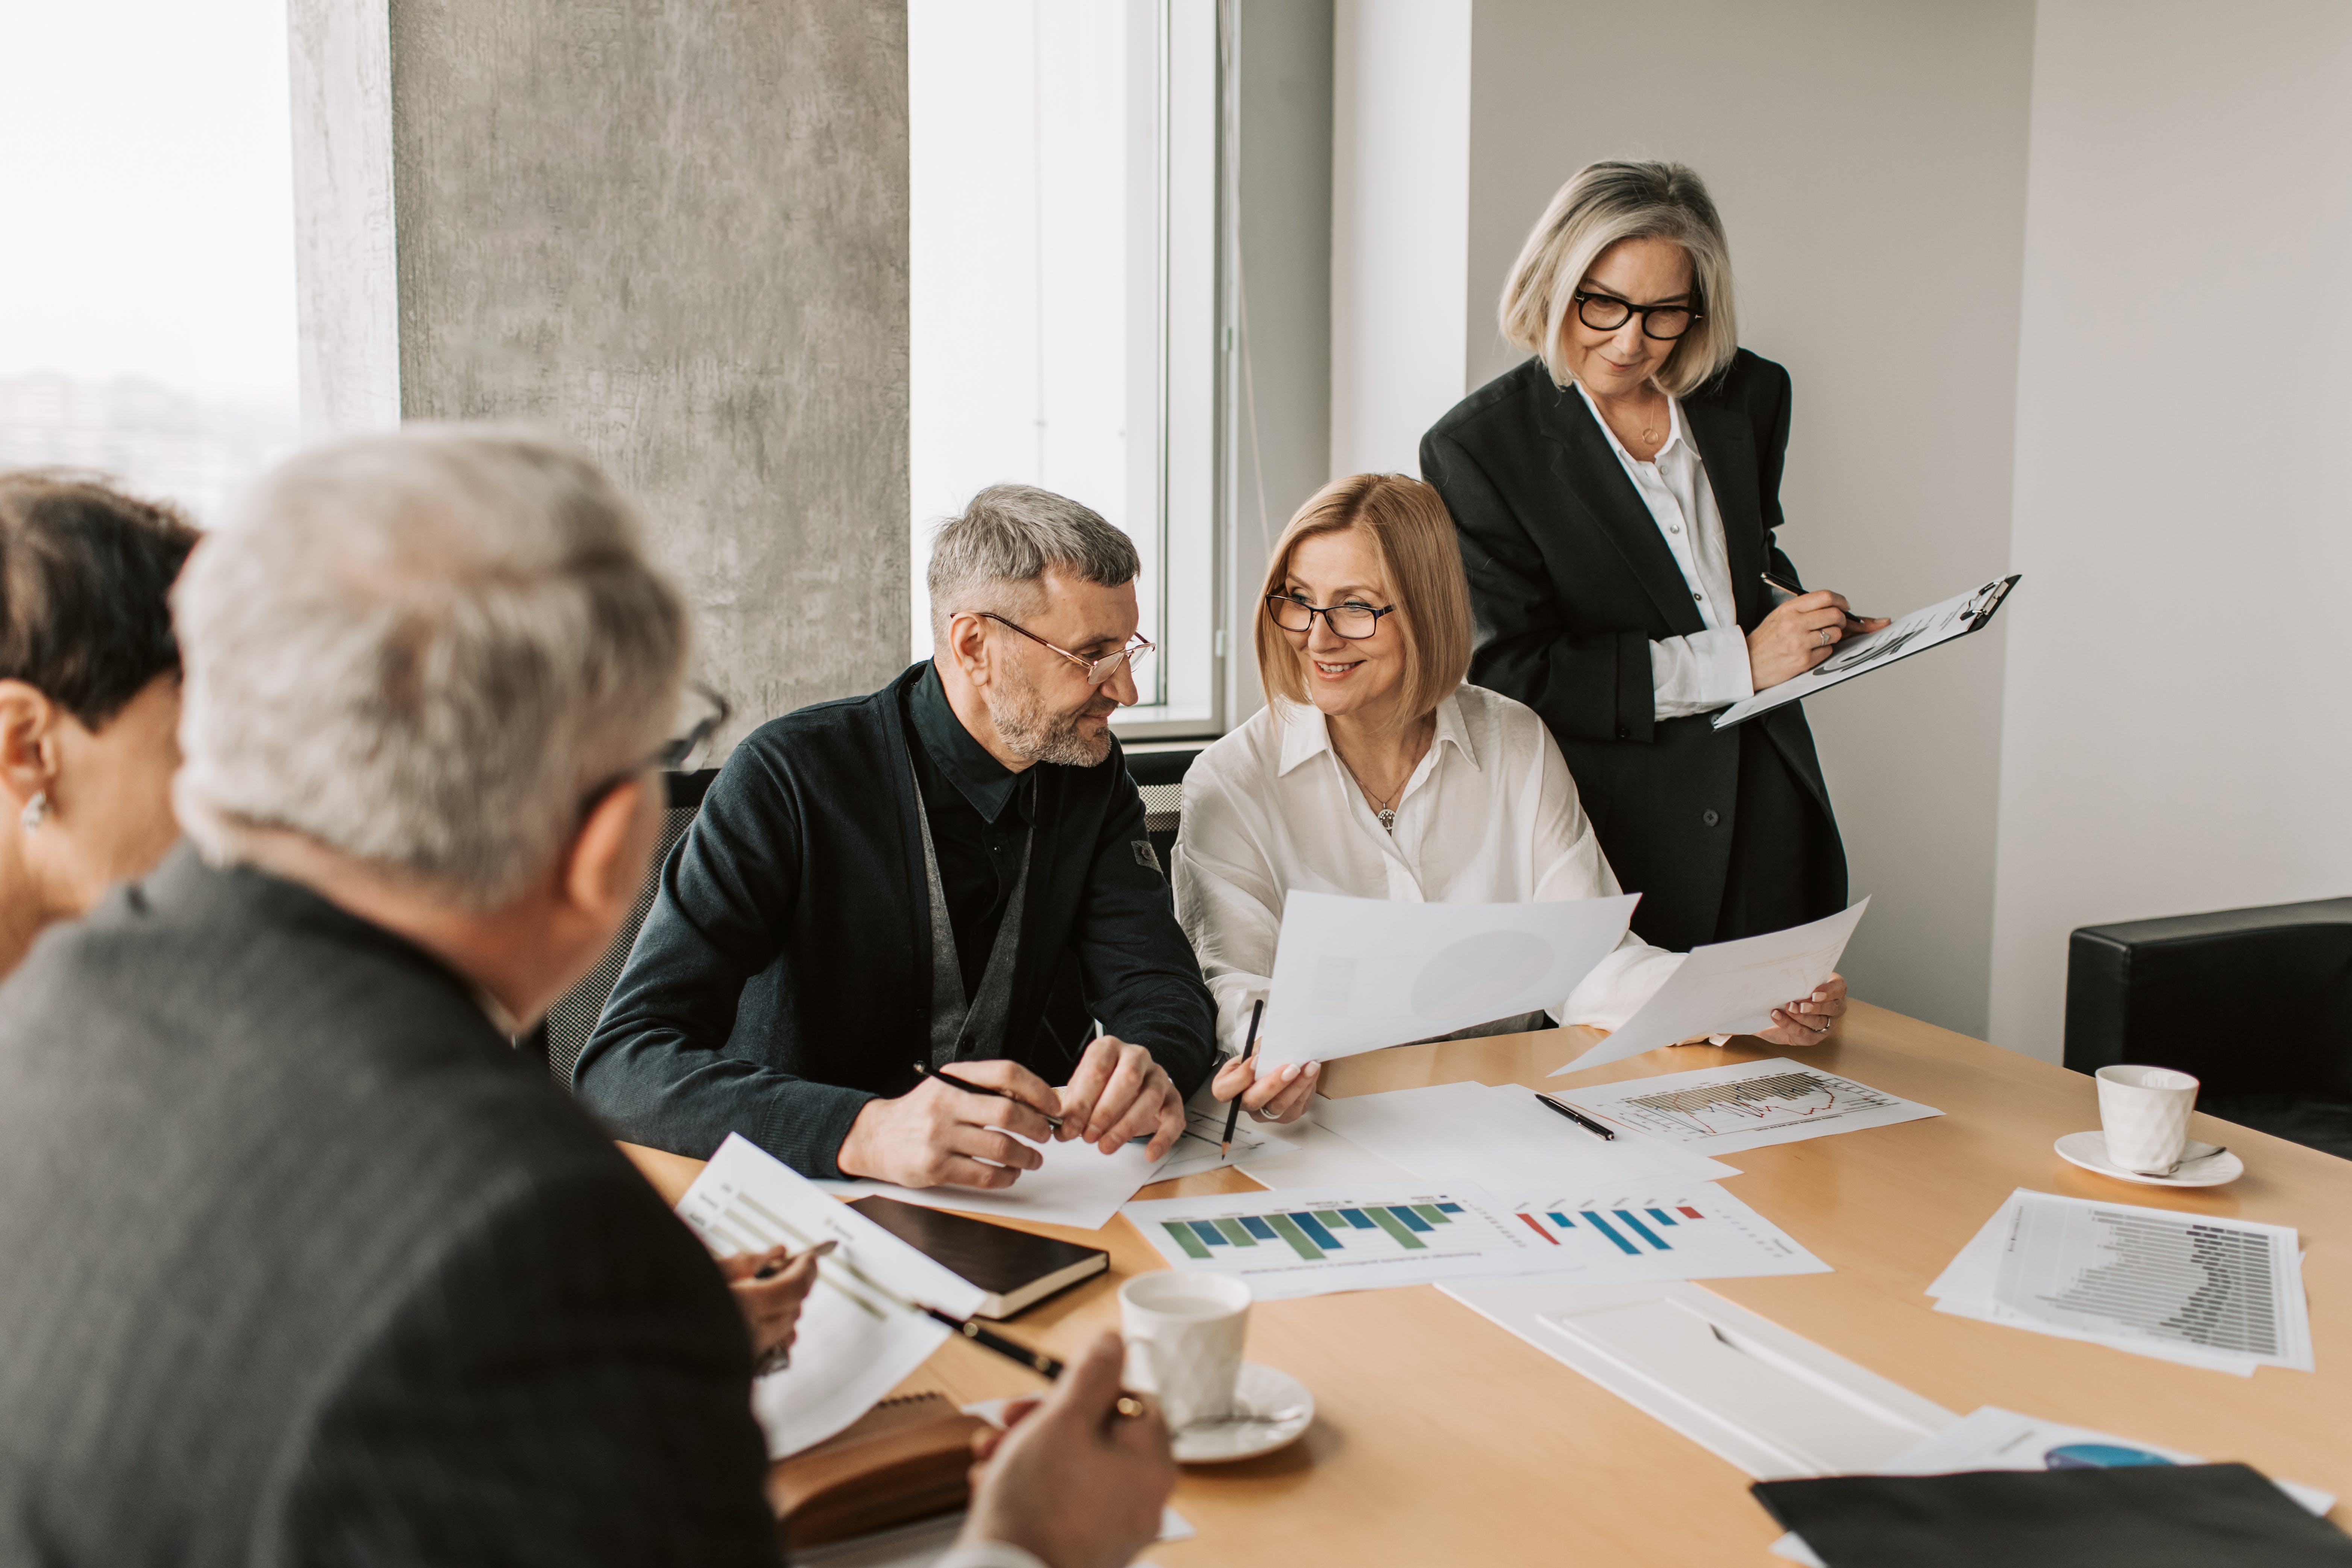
1770	1402
1501	1139
1701	1233
1746	1105
1991	1439
1314	1241
1078	1185
1914	633
1729	988
1205	1135
1316	1156
855	1343
2224	1294
1356	974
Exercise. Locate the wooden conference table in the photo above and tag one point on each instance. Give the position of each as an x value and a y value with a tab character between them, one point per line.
1440	1437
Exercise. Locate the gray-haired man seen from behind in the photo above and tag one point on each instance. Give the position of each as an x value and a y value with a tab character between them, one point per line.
952	871
304	1266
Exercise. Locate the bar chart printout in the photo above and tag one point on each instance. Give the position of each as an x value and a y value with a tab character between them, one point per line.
1707	1234
1309	1241
1748	1105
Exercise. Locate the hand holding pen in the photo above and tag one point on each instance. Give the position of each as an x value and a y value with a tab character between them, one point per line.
1283	1095
769	1288
966	1129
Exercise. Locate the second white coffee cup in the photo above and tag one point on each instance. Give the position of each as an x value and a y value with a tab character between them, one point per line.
1184	1337
2145	1113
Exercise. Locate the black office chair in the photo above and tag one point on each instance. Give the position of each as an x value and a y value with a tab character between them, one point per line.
557	1040
2256	1003
1160	778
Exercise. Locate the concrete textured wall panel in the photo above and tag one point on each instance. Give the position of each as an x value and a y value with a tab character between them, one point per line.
677	233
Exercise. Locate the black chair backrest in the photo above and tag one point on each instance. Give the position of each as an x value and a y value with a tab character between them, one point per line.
573	1018
1160	778
2247	1000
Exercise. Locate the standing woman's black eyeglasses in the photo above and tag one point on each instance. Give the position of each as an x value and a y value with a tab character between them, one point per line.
1606	314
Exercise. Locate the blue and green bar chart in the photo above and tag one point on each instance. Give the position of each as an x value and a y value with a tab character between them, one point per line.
1315	1234
1632	1231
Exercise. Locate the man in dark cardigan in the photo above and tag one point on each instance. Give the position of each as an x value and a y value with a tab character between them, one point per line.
951	872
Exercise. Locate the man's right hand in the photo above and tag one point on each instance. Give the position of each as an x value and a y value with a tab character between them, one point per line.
1074	1483
935	1135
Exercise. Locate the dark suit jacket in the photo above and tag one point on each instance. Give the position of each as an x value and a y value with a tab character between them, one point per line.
303	1267
784	976
1571	583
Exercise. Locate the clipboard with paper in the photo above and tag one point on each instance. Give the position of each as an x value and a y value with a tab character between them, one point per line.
1920	631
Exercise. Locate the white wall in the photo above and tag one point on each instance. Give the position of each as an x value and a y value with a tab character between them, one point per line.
1869	161
1400	178
2176	733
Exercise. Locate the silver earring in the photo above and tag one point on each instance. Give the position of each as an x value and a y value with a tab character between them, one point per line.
36	812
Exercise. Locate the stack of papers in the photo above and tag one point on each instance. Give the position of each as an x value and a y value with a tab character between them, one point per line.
2225	1294
1997	1440
1505	1141
857	1337
1748	1105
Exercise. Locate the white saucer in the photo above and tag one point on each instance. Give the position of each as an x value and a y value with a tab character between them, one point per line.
1259	1389
2206	1168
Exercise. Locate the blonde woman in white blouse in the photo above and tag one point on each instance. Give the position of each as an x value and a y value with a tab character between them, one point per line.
1375	772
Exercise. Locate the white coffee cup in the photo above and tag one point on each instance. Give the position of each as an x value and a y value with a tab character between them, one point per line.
1185	1336
2145	1113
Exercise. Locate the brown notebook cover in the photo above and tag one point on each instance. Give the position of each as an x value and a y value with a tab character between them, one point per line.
906	1459
1017	1269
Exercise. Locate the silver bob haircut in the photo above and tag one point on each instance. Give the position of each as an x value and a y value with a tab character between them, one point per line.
421	650
1601	204
994	556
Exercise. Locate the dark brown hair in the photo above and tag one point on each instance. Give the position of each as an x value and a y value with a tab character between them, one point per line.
86	577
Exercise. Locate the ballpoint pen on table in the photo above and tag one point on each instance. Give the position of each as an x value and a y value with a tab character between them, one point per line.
922	1071
1548	1103
1234	1112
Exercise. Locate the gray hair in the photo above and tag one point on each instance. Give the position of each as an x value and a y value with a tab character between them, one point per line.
1009	537
421	650
1601	204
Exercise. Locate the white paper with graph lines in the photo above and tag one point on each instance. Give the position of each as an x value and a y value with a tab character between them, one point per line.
1748	1105
855	1342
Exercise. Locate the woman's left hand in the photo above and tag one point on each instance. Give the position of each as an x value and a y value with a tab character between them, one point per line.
772	1307
1806	1020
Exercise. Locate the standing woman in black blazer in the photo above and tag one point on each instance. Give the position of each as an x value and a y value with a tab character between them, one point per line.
1617	498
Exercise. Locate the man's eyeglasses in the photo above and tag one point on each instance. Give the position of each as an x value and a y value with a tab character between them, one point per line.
710	711
1097	670
1606	314
1353	620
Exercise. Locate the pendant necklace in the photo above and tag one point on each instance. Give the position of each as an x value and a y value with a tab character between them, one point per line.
1380	808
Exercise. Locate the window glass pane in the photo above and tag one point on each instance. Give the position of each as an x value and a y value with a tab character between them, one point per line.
149	265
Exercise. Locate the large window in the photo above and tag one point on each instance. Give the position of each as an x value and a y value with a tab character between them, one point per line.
148	273
1064	289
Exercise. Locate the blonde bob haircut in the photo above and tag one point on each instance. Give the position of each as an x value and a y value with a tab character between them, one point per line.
1601	204
1413	533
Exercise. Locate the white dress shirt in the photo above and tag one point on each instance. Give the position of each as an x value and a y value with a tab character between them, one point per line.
1709	670
1490	816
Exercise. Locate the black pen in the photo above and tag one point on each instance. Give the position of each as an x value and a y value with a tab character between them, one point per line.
1035	1361
953	1083
1233	1112
1548	1103
1794	591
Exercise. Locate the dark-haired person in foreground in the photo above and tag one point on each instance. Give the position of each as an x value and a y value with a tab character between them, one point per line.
305	1266
89	696
954	870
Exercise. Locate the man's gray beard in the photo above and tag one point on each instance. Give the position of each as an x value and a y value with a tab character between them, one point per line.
1038	736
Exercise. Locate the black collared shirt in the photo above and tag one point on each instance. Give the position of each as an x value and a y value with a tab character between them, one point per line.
980	810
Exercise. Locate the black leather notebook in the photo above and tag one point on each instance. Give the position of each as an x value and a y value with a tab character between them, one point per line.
1017	1269
2142	1516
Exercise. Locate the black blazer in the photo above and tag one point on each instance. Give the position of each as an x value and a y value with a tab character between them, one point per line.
1571	583
783	976
304	1266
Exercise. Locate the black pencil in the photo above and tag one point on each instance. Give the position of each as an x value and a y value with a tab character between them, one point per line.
1234	1112
953	1082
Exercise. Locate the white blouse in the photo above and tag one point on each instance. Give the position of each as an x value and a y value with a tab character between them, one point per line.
1489	817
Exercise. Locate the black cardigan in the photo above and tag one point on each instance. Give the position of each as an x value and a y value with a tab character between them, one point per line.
782	978
1571	583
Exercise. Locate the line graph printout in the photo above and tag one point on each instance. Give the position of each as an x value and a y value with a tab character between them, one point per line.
2198	1289
1704	1233
1748	1105
1729	988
